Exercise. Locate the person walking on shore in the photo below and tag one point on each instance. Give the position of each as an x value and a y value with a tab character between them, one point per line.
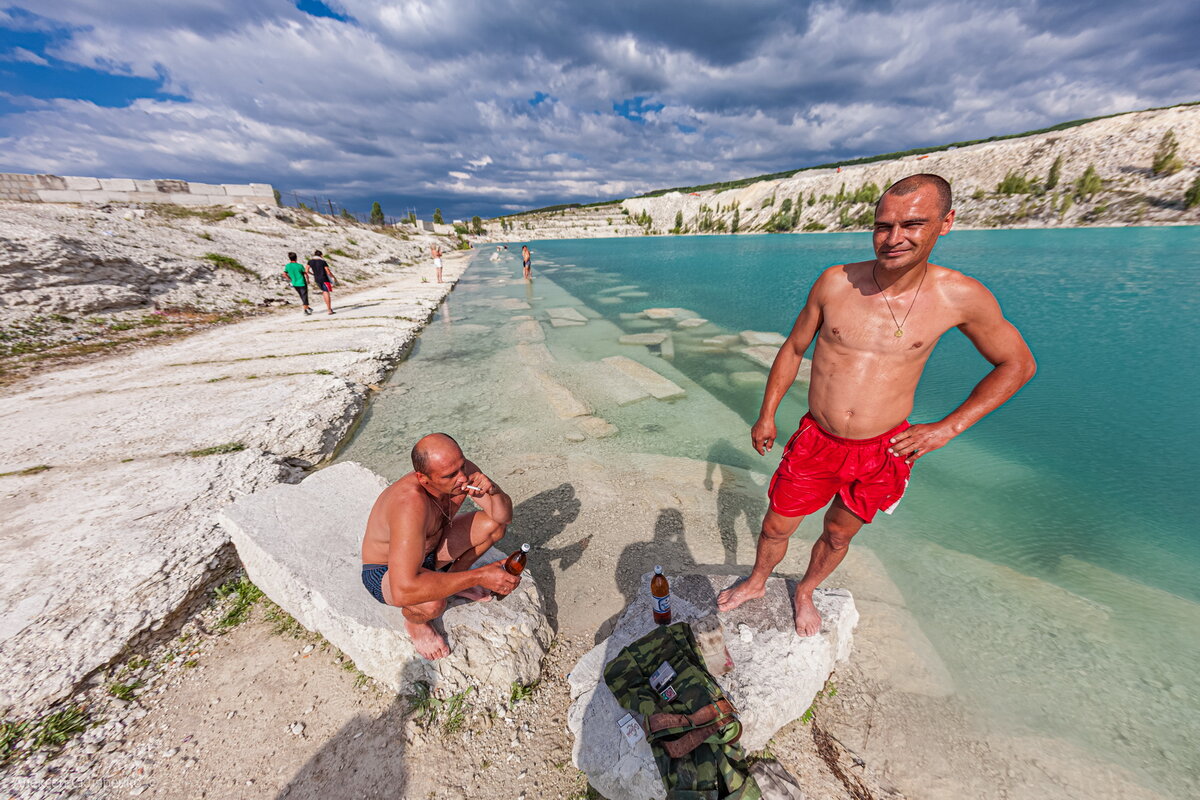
436	251
295	274
323	278
526	262
418	550
876	323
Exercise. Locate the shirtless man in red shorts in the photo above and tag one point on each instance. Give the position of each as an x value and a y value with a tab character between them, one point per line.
418	550
878	322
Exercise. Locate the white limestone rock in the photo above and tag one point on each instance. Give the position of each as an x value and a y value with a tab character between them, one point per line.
654	384
565	313
754	338
301	544
775	678
643	338
693	322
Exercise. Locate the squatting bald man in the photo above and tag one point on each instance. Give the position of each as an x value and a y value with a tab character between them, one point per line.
875	322
418	550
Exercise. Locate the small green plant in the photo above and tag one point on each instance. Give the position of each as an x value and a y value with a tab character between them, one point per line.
768	202
1016	183
11	734
321	372
125	691
204	235
979	194
814	226
426	708
518	692
26	471
56	729
230	263
1166	157
1088	184
1191	198
283	623
337	251
217	449
244	595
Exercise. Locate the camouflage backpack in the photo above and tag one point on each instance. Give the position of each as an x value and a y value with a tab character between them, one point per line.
690	724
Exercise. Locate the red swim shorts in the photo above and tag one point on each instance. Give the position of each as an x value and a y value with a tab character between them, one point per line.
816	465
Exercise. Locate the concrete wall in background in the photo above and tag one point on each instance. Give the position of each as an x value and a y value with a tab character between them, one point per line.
55	189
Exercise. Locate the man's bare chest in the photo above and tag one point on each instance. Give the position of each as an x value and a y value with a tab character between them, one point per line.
867	325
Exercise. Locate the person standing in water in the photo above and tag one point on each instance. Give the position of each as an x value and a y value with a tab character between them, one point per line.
526	262
876	323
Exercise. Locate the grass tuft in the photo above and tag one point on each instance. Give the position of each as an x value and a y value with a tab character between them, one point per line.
124	691
26	471
244	595
217	449
518	692
231	263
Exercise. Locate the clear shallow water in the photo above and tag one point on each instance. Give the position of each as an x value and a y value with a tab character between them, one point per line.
1051	553
1048	554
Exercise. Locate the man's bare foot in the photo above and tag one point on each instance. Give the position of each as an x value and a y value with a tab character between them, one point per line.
737	594
476	593
428	642
808	619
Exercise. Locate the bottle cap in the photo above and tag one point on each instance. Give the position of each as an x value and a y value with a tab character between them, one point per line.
525	547
658	570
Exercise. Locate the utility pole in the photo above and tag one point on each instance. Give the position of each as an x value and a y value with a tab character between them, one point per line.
330	207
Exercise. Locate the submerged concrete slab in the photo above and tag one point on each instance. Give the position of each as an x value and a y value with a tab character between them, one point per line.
301	545
776	675
643	338
565	313
654	384
754	338
564	403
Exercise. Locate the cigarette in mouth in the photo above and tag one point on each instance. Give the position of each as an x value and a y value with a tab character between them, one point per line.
476	488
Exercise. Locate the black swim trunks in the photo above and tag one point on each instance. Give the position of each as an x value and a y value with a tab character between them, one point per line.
372	574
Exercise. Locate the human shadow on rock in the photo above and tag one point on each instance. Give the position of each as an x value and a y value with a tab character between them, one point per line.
537	520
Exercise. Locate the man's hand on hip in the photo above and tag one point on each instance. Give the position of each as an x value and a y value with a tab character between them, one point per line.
918	440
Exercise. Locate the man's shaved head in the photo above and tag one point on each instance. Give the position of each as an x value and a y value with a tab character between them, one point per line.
429	447
914	183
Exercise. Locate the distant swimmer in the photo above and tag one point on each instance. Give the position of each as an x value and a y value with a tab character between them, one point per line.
418	550
436	251
323	278
294	272
496	255
526	262
875	322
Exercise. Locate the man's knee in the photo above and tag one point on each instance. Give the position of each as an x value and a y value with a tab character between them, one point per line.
493	531
424	612
838	534
777	527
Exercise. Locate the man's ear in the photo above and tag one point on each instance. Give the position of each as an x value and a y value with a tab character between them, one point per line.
947	223
422	479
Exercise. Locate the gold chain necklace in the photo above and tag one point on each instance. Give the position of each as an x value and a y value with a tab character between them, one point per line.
900	324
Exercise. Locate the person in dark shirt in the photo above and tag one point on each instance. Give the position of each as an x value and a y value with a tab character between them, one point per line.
322	276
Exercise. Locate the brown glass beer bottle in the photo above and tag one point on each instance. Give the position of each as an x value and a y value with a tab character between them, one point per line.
660	597
515	563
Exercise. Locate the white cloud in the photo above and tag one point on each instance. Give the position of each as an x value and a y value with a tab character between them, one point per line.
21	54
404	95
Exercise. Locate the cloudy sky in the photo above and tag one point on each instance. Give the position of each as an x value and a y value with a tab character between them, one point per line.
483	107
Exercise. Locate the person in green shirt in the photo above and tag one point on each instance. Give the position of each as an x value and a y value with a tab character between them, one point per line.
294	272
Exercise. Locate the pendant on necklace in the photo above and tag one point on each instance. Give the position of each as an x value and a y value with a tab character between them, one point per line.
899	333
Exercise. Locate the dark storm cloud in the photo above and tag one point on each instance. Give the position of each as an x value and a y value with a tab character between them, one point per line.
483	105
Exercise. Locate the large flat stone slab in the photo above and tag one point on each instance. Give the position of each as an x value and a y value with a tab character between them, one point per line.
656	385
301	545
561	399
754	338
566	313
643	338
530	332
776	675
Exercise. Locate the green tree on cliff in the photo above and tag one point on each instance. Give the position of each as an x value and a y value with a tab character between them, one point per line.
1052	177
437	217
678	222
737	219
1191	198
376	213
1166	157
476	225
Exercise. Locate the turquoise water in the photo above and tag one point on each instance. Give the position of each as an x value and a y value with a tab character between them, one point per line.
1050	553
